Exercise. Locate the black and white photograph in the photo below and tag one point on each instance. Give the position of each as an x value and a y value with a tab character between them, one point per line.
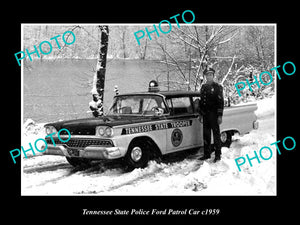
164	109
144	112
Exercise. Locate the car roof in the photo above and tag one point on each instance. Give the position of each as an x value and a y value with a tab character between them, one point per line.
166	93
179	93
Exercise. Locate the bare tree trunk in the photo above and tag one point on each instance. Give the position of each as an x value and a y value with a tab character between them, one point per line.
167	64
99	79
145	49
123	44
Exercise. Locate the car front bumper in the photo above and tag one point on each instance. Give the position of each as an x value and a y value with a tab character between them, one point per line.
89	152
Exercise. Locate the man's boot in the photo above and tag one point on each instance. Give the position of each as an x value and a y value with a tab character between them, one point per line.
204	157
217	158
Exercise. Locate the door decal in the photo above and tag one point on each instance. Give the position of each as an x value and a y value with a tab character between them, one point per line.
176	137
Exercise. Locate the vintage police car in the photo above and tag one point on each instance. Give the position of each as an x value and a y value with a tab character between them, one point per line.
141	126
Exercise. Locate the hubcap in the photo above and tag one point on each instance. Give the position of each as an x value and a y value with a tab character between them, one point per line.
223	137
136	154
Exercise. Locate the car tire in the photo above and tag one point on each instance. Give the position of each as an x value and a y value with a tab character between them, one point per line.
226	139
137	155
78	162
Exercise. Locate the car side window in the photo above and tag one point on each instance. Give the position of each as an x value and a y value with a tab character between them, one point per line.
181	105
153	102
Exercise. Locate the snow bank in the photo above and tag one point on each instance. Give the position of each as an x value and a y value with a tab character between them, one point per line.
266	107
54	176
194	177
31	132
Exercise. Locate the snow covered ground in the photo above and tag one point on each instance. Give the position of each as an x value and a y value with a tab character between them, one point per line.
52	175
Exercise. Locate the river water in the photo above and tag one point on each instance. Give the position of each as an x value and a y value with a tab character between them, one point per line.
60	89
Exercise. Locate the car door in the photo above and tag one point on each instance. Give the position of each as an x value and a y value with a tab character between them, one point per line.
183	124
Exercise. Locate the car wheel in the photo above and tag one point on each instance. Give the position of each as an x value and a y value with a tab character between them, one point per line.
79	162
137	155
226	139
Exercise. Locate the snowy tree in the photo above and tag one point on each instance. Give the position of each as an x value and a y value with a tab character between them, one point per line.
200	44
96	105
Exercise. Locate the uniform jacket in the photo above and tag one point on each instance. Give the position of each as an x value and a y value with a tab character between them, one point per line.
211	99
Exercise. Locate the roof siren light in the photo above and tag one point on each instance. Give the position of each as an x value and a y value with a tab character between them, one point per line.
153	86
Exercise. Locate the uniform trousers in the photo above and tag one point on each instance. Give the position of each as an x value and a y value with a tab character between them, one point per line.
210	123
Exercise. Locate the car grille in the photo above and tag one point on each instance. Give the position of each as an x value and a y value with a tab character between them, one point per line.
82	142
81	131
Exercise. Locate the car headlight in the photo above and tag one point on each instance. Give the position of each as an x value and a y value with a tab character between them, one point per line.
50	130
104	131
108	131
101	131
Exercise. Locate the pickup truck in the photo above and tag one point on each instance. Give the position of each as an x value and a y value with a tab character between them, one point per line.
142	126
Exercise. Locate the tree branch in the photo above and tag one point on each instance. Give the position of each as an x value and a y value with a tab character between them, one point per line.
172	58
191	37
229	70
194	46
222	42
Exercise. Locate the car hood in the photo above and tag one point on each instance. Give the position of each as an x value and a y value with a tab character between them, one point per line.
86	126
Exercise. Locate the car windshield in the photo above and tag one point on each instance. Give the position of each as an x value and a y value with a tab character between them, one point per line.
139	105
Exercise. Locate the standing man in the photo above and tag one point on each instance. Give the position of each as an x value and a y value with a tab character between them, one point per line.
211	108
